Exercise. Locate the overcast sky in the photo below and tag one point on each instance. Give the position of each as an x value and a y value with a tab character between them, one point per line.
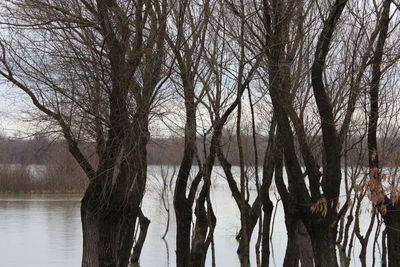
14	120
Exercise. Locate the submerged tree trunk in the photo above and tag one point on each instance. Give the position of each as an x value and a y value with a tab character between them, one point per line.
107	239
111	203
305	247
204	228
267	205
392	222
107	232
299	247
323	238
292	250
144	223
384	249
183	225
267	208
291	218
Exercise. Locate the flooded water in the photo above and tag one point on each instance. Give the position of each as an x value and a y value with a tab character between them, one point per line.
40	231
45	230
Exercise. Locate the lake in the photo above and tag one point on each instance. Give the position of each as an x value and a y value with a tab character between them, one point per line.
45	230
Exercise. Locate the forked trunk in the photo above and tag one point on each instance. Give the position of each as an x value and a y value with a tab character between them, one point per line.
204	228
111	205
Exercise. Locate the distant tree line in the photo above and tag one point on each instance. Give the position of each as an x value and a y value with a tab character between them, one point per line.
164	151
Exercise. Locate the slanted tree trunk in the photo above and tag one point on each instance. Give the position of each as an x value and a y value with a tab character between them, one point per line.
384	249
267	205
144	223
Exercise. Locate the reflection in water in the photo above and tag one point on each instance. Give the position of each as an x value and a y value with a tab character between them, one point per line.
166	250
271	247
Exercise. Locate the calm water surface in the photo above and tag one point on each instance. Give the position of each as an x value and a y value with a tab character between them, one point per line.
40	231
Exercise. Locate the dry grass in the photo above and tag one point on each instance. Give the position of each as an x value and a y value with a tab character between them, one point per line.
57	176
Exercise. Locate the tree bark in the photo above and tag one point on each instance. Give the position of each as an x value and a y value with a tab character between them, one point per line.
204	228
323	238
305	246
392	215
292	249
111	203
107	240
183	214
392	222
267	208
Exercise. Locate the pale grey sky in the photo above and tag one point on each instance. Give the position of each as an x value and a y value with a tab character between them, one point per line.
14	120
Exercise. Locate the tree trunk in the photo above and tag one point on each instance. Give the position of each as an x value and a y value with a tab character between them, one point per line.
199	251
393	246
384	249
91	239
363	255
305	247
243	250
299	247
144	223
392	216
323	240
111	203
183	213
204	228
183	205
268	207
392	222
292	250
107	240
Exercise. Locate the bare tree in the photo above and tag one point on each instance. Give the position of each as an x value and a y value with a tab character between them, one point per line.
388	206
187	41
94	68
